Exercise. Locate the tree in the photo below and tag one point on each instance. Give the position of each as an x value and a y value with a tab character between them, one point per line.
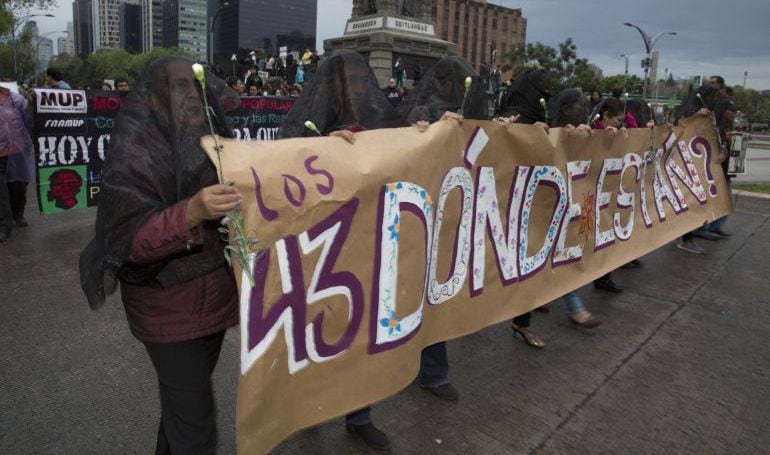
6	21
12	10
753	104
563	66
587	75
25	57
109	64
633	84
11	13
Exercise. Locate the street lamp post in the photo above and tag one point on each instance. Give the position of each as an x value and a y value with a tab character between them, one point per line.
625	75
649	45
745	75
14	26
222	6
665	77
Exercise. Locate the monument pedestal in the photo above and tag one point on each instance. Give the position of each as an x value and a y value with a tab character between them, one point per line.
382	38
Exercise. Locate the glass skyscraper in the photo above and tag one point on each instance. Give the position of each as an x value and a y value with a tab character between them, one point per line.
265	26
184	26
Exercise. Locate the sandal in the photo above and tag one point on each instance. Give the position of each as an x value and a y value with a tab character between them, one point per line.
589	323
529	336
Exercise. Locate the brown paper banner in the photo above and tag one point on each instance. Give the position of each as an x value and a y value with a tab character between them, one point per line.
376	250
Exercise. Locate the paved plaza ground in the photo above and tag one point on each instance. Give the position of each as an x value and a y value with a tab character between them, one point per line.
681	365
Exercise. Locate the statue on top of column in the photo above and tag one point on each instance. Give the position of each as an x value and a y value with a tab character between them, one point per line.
404	8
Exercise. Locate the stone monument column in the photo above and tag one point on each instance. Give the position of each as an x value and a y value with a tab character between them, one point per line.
382	30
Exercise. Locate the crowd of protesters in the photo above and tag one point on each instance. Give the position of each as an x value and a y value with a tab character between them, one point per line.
156	257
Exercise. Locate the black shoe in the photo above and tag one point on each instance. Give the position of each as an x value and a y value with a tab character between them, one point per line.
371	435
706	235
635	264
719	231
4	235
445	391
21	222
607	284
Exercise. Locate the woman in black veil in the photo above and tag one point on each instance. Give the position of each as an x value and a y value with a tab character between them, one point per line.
523	99
706	101
156	234
343	98
442	89
444	94
523	105
569	109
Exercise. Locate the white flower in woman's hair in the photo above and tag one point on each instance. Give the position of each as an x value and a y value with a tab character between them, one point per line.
200	74
468	82
311	126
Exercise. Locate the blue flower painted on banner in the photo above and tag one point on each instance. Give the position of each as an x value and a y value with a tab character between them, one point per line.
394	228
391	323
391	188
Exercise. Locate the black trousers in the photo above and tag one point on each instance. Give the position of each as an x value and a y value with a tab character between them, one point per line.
522	320
188	414
17	192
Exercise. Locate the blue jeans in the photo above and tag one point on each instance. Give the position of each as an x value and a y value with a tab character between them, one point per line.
573	303
720	223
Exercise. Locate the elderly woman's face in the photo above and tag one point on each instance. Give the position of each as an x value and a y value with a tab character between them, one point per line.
358	79
184	95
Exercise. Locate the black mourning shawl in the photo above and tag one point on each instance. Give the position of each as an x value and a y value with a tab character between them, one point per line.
155	160
710	98
342	93
442	88
524	96
569	107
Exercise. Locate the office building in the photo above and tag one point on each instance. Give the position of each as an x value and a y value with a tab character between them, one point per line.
266	26
84	34
152	24
105	17
44	50
478	28
43	46
184	26
131	27
65	44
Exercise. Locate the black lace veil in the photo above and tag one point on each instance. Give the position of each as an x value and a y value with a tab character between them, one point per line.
569	107
704	96
343	93
442	88
155	160
524	96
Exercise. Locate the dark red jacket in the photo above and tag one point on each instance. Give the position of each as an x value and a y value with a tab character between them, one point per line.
202	306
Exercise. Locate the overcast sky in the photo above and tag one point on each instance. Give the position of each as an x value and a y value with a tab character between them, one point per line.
713	37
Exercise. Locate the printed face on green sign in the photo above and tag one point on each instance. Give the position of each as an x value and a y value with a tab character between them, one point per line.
62	188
